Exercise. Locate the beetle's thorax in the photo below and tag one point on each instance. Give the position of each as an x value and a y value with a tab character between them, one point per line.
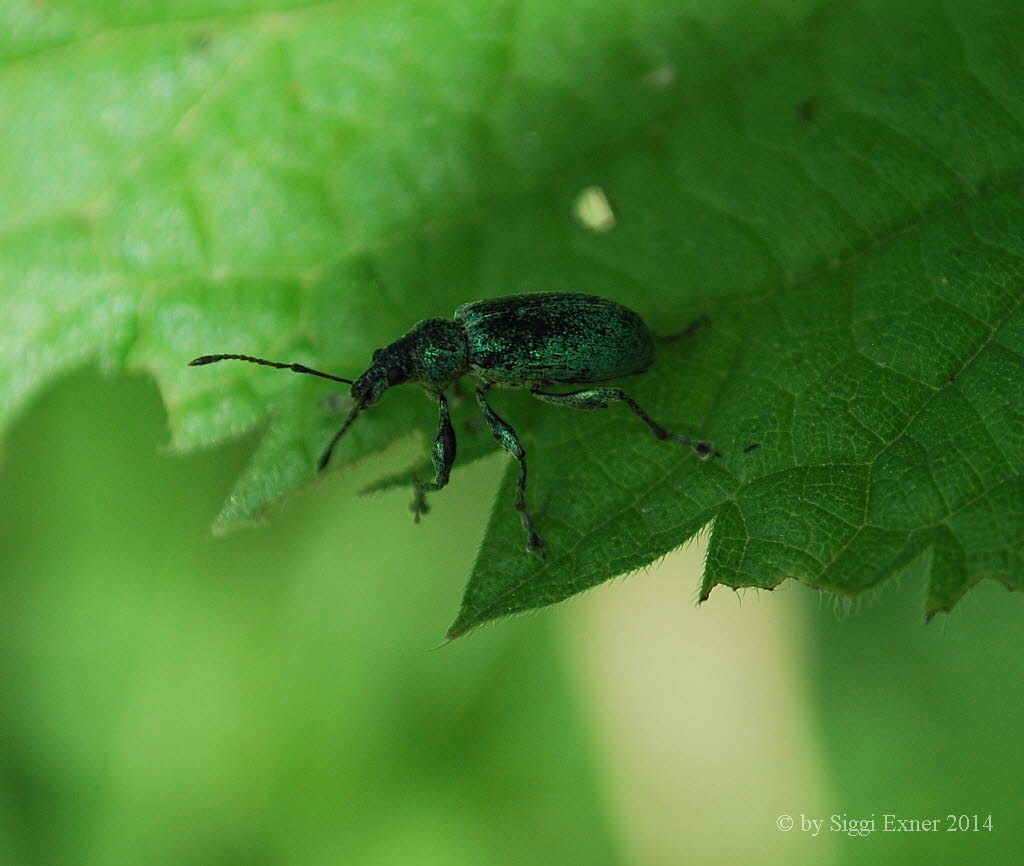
433	353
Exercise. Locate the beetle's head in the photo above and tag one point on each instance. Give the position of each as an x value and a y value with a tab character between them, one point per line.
433	352
390	367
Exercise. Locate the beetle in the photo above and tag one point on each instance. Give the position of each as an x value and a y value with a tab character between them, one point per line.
519	341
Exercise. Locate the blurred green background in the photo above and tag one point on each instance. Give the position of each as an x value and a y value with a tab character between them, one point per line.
281	696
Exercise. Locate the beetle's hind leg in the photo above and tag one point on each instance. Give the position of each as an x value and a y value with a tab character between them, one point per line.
508	440
443	455
599	398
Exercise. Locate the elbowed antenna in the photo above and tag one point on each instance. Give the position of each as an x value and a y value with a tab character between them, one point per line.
295	368
326	458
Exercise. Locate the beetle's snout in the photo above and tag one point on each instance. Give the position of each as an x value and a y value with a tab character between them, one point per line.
367	389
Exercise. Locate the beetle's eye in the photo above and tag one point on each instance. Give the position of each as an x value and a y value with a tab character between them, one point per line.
395	376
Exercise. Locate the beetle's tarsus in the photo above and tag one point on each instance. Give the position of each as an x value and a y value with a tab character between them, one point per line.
419	505
704	450
535	545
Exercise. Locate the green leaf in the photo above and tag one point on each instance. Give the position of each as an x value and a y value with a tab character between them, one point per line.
836	185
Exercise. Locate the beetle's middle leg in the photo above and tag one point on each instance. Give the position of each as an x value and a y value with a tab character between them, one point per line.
599	398
508	440
443	455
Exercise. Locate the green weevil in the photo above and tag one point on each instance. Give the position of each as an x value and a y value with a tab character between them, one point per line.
519	341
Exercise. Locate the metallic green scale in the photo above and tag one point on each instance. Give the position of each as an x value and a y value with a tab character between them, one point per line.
554	338
523	341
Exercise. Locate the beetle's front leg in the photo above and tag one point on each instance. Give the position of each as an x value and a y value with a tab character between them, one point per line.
443	455
508	440
599	398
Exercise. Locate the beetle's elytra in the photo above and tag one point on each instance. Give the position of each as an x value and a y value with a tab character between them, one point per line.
520	341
